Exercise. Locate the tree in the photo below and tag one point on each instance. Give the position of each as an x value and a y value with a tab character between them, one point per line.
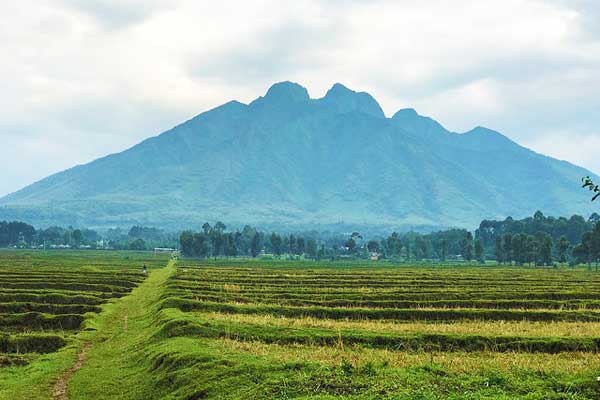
230	248
407	246
216	239
531	249
394	245
507	247
138	244
322	252
563	248
200	245
77	237
595	244
276	244
293	243
255	245
420	247
544	249
479	251
373	246
300	246
579	254
351	245
467	247
311	248
586	250
499	250
186	240
206	228
442	249
518	248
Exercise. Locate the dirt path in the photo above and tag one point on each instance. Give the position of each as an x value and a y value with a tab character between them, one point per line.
60	388
121	331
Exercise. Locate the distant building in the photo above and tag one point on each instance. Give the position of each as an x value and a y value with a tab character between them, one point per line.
163	250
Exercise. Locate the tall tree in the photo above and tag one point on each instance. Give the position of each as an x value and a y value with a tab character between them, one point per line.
276	244
544	249
186	240
300	246
293	244
479	251
508	251
77	237
255	246
563	249
394	245
467	247
311	248
420	248
373	246
499	250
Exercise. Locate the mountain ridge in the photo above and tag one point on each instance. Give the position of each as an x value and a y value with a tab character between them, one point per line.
286	159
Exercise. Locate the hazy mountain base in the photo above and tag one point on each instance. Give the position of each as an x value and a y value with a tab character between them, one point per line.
288	160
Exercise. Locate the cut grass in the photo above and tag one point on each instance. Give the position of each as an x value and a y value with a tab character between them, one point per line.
496	328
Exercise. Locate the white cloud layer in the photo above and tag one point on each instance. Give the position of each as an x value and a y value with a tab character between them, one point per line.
81	79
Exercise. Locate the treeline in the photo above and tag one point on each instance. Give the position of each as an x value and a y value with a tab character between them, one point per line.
22	235
216	241
536	240
542	240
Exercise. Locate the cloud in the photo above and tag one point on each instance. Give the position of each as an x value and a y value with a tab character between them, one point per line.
81	79
116	14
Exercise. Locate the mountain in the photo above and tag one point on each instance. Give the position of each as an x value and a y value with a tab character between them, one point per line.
286	160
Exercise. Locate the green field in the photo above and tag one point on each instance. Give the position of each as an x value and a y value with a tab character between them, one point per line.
263	329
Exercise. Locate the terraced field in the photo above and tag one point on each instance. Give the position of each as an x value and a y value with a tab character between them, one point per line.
258	329
443	332
46	297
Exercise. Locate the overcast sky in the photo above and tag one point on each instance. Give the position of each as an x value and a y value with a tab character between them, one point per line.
81	79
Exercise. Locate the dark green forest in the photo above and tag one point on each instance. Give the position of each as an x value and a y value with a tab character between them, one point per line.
536	240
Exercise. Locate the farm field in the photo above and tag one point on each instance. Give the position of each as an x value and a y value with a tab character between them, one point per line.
47	299
261	329
396	332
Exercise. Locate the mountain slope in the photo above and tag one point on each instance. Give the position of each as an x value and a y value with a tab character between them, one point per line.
288	160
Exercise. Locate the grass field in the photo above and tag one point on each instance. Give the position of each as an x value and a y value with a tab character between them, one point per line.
248	329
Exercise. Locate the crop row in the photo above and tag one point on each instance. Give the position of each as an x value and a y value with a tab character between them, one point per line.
31	343
75	279
50	298
22	307
40	321
198	326
70	293
487	304
385	313
10	273
390	277
419	272
383	285
65	286
398	295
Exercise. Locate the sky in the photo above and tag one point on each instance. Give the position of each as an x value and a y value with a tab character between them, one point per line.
83	79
